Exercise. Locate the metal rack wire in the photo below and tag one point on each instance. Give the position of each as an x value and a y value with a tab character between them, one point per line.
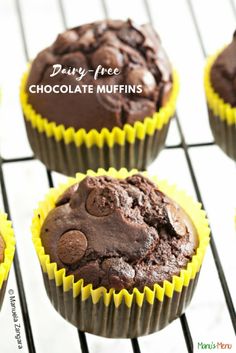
185	148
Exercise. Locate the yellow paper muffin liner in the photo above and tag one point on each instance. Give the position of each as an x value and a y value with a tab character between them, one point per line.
69	151
7	233
113	313
222	116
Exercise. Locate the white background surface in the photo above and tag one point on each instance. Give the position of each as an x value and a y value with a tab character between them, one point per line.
26	182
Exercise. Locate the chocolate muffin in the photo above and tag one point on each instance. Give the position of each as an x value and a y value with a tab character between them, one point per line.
119	254
223	73
137	54
7	250
2	248
114	75
220	87
119	233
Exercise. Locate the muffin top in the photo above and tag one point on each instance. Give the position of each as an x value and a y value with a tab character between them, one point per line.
134	52
118	233
223	73
2	248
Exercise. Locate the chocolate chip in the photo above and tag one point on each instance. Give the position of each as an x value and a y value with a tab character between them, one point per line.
75	60
102	202
90	273
108	57
120	273
87	40
64	40
143	77
114	24
130	36
176	222
134	109
2	248
100	28
71	247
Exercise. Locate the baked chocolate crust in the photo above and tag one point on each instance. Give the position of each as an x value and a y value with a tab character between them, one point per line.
2	248
135	50
119	233
223	73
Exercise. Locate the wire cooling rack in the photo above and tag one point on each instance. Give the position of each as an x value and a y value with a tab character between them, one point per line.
190	30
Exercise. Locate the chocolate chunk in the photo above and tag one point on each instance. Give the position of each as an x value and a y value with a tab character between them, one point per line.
63	41
74	60
100	29
108	57
91	273
71	247
131	35
87	40
143	77
120	273
175	220
135	108
102	202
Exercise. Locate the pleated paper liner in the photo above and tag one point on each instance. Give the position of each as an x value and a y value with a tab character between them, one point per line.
68	151
113	313
222	116
7	233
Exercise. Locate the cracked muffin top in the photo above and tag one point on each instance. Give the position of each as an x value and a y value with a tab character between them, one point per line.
119	233
135	51
2	248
